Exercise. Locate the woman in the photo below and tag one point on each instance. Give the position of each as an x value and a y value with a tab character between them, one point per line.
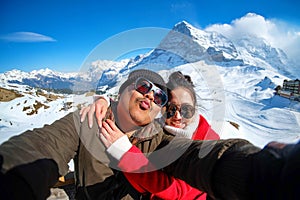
180	118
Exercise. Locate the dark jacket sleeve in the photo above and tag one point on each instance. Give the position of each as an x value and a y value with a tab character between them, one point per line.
290	176
58	141
29	181
221	168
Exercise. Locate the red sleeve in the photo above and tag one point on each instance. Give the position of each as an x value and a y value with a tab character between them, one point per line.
204	131
159	184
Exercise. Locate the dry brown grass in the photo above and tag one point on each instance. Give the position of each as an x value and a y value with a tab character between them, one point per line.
8	95
88	94
50	97
36	106
67	106
234	124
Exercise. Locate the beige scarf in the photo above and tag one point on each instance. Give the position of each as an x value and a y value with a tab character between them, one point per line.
187	131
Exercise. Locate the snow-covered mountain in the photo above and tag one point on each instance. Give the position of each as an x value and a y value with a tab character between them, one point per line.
187	44
234	80
44	78
69	82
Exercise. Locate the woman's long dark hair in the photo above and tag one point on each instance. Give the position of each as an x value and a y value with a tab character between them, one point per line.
177	79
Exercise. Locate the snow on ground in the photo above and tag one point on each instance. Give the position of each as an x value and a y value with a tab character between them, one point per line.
262	123
14	117
251	103
245	96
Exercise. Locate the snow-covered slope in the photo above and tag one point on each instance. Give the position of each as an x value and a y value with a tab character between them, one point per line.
244	95
35	108
251	103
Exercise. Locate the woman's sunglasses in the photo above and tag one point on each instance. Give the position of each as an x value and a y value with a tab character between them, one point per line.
145	86
187	111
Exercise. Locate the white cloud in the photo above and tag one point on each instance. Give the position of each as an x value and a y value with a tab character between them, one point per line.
278	33
26	37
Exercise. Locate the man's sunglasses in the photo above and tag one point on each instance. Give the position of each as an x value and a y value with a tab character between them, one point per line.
145	86
187	111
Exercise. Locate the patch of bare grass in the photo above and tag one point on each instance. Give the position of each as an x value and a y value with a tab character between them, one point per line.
36	106
8	95
237	126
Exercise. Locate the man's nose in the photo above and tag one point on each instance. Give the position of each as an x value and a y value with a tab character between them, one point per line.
150	95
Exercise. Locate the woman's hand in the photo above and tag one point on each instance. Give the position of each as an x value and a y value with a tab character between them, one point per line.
110	133
99	108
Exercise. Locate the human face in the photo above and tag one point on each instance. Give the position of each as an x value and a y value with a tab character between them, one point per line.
136	109
180	96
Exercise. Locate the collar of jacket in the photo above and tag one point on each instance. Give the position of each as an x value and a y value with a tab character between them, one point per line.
187	131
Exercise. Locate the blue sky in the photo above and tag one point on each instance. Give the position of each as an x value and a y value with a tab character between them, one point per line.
60	34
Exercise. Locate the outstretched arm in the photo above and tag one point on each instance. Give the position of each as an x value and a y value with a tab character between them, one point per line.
229	169
156	182
139	171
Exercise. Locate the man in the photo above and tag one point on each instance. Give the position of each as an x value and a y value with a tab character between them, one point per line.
231	169
67	138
